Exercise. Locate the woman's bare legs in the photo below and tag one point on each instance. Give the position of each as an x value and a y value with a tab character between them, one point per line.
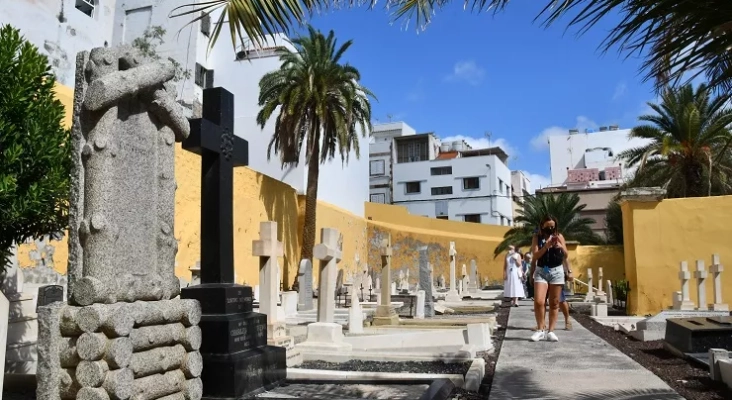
540	289
564	306
554	294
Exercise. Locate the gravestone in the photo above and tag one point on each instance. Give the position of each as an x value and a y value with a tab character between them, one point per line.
425	283
236	358
305	290
716	269
123	333
473	286
654	328
49	294
452	295
325	336
698	335
684	275
385	313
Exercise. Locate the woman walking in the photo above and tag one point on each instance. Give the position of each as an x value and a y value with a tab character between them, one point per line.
513	287
549	250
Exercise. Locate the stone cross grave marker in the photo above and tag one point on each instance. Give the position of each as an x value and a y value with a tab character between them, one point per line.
385	313
452	295
717	270
123	316
600	291
305	290
426	282
268	249
243	362
701	278
684	276
610	294
329	254
49	294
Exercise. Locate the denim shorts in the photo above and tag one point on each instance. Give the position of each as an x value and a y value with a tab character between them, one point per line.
551	275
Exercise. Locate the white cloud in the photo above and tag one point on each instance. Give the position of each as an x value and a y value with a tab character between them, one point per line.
541	142
466	71
482	143
620	90
538	181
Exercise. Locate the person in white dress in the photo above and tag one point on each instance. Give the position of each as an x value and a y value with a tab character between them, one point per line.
513	275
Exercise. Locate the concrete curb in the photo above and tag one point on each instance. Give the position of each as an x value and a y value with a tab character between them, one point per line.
309	375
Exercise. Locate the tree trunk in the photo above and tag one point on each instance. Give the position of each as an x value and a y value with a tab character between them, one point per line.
695	184
311	199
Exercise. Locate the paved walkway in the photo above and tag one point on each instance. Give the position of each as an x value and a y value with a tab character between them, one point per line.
580	366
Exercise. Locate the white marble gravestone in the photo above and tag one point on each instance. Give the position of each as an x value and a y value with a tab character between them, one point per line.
717	270
452	295
684	276
385	312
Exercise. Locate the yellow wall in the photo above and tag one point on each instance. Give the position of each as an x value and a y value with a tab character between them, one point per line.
609	258
410	232
664	234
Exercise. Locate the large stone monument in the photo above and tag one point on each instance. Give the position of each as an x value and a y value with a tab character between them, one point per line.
385	312
236	358
122	334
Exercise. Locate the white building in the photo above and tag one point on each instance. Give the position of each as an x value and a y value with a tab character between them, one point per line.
452	181
591	158
381	159
520	188
61	29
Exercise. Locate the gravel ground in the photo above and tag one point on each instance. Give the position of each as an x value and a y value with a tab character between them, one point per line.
490	359
412	367
687	379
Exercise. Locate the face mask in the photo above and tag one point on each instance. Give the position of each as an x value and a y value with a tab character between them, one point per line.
511	251
548	230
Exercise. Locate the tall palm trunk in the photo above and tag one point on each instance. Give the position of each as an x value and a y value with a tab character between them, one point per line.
311	197
695	184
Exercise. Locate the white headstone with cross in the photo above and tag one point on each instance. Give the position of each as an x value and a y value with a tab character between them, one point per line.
329	254
684	276
716	269
268	249
701	285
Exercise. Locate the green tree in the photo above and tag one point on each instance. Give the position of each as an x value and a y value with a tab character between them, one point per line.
320	105
689	148
564	207
148	45
35	156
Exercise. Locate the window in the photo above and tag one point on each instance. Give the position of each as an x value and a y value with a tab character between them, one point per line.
378	198
376	168
86	6
204	77
442	217
413	187
471	183
206	24
441	170
412	150
442	190
500	185
472	218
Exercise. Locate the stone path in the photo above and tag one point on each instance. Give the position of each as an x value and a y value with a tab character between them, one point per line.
580	366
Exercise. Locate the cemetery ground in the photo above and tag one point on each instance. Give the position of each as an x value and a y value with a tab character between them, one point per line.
689	379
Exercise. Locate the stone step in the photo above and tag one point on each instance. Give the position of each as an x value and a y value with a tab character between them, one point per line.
21	352
20	367
21	305
25	331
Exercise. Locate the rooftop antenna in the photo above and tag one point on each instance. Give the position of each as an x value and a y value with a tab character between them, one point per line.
488	135
389	117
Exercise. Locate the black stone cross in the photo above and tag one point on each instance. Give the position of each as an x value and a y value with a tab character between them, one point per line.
212	137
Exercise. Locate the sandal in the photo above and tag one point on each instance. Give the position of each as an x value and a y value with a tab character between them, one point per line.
568	326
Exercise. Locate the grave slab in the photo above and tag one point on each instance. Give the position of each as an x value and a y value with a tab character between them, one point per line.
654	328
698	335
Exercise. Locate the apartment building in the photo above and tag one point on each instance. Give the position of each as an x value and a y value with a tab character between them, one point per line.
520	188
382	154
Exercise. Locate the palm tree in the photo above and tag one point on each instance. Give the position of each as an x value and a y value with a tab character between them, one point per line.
321	105
688	153
564	207
674	36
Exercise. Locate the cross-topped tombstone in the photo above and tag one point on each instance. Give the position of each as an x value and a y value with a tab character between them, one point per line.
385	313
268	249
329	254
453	295
684	275
473	287
701	280
212	137
237	359
717	270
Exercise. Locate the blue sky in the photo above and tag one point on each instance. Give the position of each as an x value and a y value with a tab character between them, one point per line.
468	74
